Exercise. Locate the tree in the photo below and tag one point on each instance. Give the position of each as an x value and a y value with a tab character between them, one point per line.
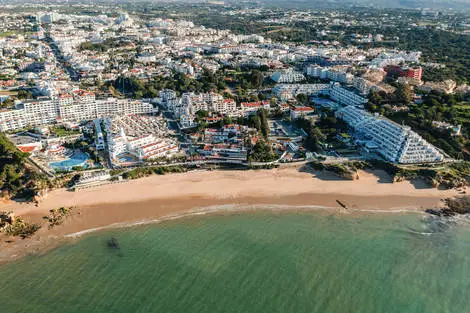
404	94
374	97
254	121
24	94
302	98
256	79
262	152
263	115
202	113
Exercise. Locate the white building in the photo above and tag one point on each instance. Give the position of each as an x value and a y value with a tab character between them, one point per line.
289	91
288	76
345	96
396	143
144	147
299	112
78	107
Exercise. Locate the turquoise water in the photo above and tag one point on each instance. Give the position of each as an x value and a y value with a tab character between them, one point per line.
77	159
260	262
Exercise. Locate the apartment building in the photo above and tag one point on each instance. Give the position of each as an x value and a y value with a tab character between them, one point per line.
289	91
39	112
345	96
288	76
362	85
301	111
12	119
144	147
396	143
225	106
77	107
253	107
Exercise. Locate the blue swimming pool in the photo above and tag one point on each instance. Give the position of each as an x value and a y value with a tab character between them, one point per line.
77	159
126	158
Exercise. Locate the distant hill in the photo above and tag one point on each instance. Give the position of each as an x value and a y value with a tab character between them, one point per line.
434	4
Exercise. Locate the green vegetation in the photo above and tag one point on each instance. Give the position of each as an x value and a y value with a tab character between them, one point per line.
448	176
222	81
147	171
103	46
56	216
262	152
435	107
263	167
17	178
24	94
347	170
440	46
322	134
178	82
15	226
259	121
86	145
61	131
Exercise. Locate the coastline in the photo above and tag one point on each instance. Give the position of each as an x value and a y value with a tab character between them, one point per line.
158	198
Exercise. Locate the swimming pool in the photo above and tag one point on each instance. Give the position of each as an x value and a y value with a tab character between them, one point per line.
76	159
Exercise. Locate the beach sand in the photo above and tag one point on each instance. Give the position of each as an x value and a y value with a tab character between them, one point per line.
157	196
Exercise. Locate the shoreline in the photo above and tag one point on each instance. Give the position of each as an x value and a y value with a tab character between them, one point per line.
156	199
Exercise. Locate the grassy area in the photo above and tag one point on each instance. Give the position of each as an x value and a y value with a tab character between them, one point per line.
62	132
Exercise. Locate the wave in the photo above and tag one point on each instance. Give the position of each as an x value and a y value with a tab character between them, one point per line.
392	211
229	208
420	232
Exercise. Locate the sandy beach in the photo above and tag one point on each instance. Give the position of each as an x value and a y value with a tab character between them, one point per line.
177	194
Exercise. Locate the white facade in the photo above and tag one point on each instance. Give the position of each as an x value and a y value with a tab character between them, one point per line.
345	96
289	91
82	106
288	76
144	147
396	143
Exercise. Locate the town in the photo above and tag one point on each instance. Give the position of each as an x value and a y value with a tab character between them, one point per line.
234	156
105	93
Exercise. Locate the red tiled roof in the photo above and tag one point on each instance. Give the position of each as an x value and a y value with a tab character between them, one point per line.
27	149
304	109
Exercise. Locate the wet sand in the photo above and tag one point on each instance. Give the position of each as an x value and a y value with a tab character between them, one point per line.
173	195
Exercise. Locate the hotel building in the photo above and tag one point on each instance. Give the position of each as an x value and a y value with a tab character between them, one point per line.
396	143
79	106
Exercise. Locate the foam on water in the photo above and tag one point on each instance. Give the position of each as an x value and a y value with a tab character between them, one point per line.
306	259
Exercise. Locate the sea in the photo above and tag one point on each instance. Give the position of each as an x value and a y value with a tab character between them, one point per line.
255	262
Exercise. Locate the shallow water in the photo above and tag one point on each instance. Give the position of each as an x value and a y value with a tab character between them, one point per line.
252	262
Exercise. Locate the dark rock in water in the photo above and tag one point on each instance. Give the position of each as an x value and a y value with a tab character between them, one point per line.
433	212
454	206
113	243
